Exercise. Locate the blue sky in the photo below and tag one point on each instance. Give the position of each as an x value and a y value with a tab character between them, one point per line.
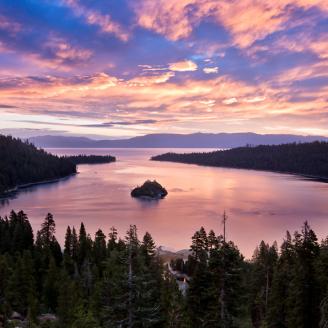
124	68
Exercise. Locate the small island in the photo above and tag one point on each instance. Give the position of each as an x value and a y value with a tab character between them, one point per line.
91	159
149	190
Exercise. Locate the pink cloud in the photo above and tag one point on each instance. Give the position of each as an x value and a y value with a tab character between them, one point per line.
10	26
103	21
247	20
152	79
221	100
183	66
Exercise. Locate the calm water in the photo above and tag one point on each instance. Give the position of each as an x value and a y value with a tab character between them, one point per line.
260	205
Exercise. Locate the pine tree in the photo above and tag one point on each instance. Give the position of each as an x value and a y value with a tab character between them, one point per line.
199	246
199	297
99	249
50	287
264	262
283	273
84	246
47	231
69	299
21	232
173	305
68	252
149	283
21	289
148	248
212	240
75	245
304	297
112	239
113	291
68	247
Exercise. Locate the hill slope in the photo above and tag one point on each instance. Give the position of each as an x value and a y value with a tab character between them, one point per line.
310	159
22	163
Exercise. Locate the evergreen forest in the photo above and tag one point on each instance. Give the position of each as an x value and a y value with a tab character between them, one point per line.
107	280
307	159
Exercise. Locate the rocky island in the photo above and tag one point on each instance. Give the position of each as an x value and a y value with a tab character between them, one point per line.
150	190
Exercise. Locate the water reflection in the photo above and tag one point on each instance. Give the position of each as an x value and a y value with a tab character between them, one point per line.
260	205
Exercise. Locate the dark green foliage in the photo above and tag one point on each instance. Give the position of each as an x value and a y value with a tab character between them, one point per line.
310	159
22	163
91	159
16	233
91	284
304	299
216	290
131	293
264	261
280	287
104	283
173	305
46	243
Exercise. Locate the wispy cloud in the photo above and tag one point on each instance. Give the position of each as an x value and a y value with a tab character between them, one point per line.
94	17
211	70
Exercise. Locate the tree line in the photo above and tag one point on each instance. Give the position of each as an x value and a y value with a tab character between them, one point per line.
91	159
310	159
22	163
109	281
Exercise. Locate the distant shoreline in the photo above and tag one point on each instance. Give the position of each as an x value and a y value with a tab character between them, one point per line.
306	160
308	177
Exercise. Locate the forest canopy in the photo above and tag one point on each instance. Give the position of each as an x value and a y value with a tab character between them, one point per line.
110	281
308	159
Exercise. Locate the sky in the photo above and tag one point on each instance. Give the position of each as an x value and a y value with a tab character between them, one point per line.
121	68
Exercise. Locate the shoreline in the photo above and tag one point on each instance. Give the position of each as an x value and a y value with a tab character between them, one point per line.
305	176
15	189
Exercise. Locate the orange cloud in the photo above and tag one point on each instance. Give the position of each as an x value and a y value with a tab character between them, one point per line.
183	66
166	17
201	103
152	79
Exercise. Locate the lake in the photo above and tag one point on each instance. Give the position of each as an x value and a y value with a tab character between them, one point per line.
259	205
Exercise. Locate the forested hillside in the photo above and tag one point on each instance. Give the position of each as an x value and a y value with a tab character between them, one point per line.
22	163
113	282
299	158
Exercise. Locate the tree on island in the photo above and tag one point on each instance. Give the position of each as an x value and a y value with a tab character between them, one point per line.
150	189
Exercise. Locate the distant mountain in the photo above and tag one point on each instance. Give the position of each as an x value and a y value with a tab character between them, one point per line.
195	140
